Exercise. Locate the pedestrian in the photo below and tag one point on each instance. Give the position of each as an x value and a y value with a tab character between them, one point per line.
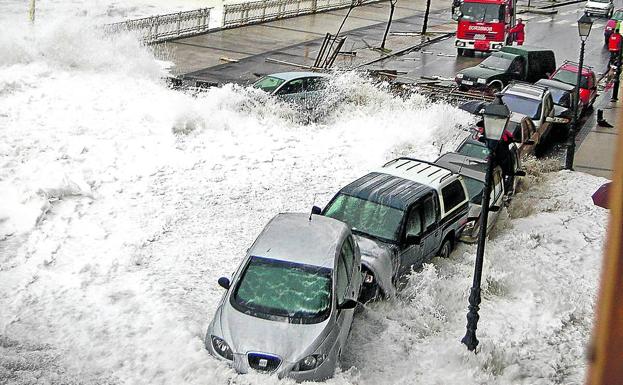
456	4
519	32
614	46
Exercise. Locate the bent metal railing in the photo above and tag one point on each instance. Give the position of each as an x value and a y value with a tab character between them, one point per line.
235	15
156	29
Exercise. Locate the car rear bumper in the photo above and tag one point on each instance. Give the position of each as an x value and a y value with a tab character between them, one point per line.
597	11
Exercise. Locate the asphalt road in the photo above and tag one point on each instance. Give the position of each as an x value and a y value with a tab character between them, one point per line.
557	32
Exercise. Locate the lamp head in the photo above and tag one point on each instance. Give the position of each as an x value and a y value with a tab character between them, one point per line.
585	24
495	118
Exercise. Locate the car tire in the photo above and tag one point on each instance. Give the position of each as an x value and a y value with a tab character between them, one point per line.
445	249
369	292
460	52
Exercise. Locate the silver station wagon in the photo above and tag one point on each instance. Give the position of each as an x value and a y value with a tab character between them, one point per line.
289	307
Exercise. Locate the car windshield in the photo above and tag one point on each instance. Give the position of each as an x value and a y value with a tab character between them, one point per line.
474	150
268	83
600	1
618	15
570	77
487	13
271	287
525	106
367	217
561	97
496	63
474	189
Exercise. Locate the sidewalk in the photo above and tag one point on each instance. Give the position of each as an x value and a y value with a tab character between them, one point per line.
595	154
234	55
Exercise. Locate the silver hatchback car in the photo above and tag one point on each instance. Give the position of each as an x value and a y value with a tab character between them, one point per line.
289	307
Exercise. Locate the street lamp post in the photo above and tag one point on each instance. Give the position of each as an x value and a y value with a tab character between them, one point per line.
495	118
584	29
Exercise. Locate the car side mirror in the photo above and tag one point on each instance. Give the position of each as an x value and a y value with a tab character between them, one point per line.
224	283
413	239
316	210
520	173
495	209
347	305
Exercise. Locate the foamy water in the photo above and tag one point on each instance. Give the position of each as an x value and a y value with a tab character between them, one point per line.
123	201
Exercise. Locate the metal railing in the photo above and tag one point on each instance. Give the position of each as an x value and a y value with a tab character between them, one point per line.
235	15
156	29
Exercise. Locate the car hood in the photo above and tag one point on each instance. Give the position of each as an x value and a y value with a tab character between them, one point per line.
473	73
381	259
246	334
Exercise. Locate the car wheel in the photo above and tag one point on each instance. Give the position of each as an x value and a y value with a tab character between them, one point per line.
460	52
445	249
369	292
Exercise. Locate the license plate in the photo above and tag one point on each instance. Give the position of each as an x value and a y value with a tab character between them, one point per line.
467	82
479	37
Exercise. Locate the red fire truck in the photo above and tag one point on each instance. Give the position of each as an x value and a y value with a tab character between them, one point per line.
483	25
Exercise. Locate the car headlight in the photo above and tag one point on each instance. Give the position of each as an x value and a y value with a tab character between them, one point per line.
482	81
222	349
309	363
459	76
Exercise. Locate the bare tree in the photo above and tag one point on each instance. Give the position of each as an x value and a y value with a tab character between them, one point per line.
392	6
425	25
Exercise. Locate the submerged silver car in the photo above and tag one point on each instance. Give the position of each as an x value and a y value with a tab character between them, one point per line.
289	307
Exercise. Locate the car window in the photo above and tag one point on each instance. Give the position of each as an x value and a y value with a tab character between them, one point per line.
474	150
268	83
314	83
525	131
270	287
453	195
348	255
342	281
549	105
518	66
474	189
525	106
497	185
292	87
429	213
367	217
414	223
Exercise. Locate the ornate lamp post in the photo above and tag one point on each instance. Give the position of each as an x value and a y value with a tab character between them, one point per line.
584	29
495	119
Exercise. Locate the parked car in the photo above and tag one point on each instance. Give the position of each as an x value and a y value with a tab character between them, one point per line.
289	307
563	96
402	215
298	87
568	73
509	64
603	8
473	171
536	103
471	147
611	25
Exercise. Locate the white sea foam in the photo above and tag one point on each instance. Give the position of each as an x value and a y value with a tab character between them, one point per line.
123	201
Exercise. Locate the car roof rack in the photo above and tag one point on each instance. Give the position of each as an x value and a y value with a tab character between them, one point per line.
584	65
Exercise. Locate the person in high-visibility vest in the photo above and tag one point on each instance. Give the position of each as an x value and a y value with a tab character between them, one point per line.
614	46
519	32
